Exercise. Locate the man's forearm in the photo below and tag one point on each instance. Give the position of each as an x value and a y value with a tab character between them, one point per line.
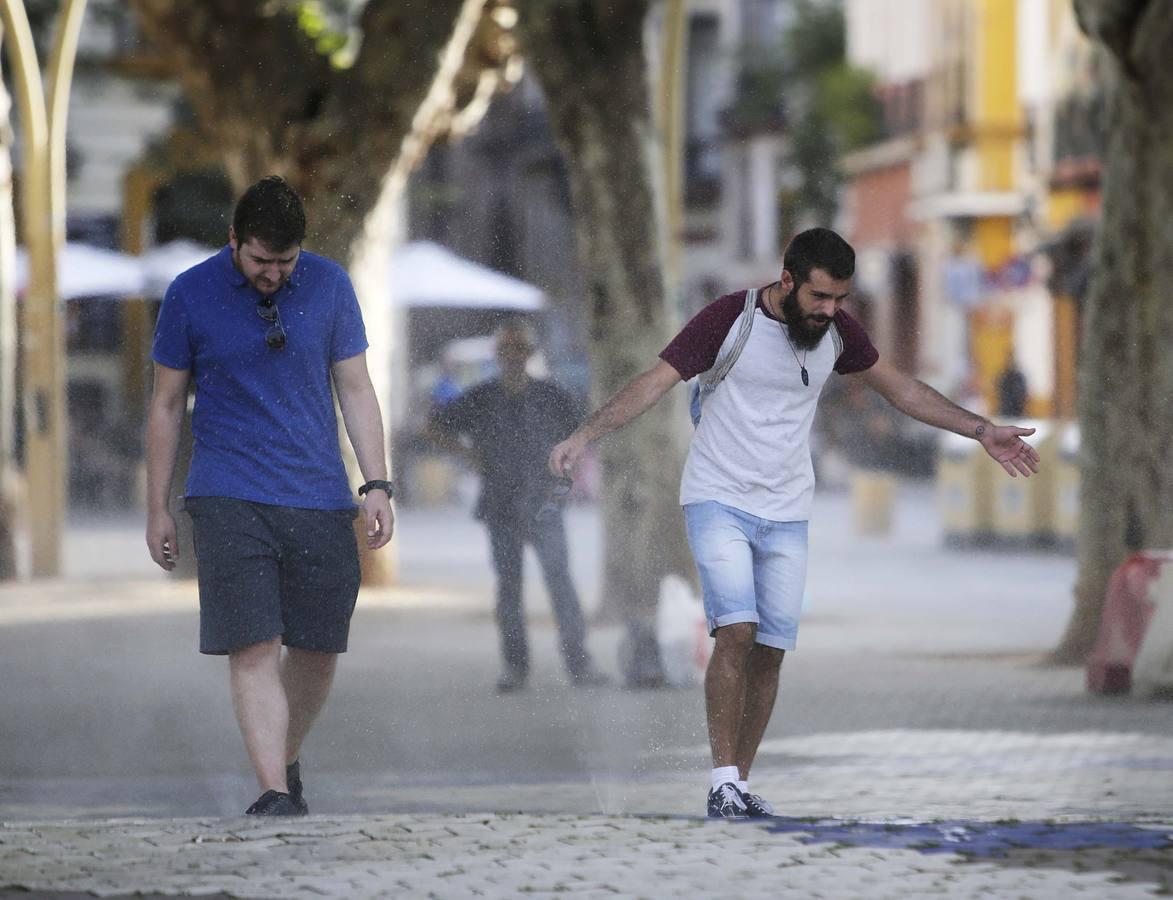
634	398
927	405
163	427
364	427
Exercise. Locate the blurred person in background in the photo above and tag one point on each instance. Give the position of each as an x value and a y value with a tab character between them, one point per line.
510	423
1012	389
446	387
268	332
748	480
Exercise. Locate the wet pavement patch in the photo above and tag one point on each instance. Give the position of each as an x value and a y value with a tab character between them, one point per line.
977	839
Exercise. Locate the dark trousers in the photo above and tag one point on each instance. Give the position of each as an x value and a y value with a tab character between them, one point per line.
507	538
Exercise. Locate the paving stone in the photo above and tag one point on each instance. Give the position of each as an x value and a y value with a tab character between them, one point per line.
548	855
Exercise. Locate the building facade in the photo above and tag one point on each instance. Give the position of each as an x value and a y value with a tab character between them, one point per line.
979	172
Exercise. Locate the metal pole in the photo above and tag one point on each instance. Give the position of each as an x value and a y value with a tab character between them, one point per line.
8	339
43	226
61	61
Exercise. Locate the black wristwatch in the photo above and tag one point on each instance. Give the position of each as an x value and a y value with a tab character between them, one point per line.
377	485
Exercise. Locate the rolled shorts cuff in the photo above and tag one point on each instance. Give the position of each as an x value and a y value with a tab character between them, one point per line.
777	641
223	646
211	649
732	618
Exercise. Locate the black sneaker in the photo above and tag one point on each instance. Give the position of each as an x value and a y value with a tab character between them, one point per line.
756	807
589	677
511	680
274	803
293	779
726	802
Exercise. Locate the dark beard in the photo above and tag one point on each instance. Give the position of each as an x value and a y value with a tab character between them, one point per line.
805	331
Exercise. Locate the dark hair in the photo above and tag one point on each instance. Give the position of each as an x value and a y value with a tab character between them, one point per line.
271	212
818	248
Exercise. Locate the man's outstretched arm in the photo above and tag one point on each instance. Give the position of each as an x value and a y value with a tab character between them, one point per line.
1004	443
631	400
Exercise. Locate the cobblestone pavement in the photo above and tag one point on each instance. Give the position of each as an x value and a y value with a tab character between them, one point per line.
586	856
998	814
920	751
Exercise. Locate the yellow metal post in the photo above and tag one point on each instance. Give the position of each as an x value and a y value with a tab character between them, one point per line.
996	127
138	192
61	61
43	227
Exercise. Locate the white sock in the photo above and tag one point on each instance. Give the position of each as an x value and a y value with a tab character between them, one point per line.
724	775
743	786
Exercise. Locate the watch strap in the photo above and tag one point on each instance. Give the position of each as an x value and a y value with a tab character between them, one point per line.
377	484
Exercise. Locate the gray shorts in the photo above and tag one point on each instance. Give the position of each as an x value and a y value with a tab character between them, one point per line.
267	570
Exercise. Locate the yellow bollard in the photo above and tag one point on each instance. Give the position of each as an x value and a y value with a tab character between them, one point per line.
872	495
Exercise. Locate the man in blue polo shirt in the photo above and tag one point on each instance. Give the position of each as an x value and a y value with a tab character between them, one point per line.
268	332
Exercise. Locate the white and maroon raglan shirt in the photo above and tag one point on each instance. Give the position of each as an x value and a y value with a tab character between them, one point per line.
751	449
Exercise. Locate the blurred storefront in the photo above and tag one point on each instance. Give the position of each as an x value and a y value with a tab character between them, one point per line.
733	160
880	187
985	193
973	214
1070	133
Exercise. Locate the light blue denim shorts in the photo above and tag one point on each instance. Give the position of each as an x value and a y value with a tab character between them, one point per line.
751	570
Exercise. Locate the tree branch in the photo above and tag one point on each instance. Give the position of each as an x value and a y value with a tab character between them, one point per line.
268	101
1114	24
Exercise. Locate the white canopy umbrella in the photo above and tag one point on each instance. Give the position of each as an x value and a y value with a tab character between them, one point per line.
87	271
164	261
424	274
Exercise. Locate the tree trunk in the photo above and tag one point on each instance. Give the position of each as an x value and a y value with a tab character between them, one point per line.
589	56
1126	369
8	342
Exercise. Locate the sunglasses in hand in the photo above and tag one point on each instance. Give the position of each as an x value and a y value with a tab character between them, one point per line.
556	494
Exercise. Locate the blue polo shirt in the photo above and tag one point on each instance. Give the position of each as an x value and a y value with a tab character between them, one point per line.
264	423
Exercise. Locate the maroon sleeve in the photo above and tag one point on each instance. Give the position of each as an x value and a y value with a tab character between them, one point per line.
858	353
695	348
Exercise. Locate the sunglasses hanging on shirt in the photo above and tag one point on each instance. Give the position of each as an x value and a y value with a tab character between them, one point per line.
275	333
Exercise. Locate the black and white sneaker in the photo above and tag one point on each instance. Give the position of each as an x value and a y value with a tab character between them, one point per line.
273	803
756	807
726	802
293	779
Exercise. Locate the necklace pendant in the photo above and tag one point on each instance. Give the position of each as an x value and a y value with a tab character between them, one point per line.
806	379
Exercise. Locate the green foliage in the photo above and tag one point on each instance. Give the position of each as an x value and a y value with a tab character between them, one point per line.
818	36
806	88
758	104
846	95
325	26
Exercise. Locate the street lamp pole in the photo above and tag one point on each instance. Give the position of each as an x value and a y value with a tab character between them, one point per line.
43	125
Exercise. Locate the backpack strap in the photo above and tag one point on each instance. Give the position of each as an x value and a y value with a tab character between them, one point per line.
721	367
707	381
836	340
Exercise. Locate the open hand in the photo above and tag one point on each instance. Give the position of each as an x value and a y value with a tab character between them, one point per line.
1006	445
